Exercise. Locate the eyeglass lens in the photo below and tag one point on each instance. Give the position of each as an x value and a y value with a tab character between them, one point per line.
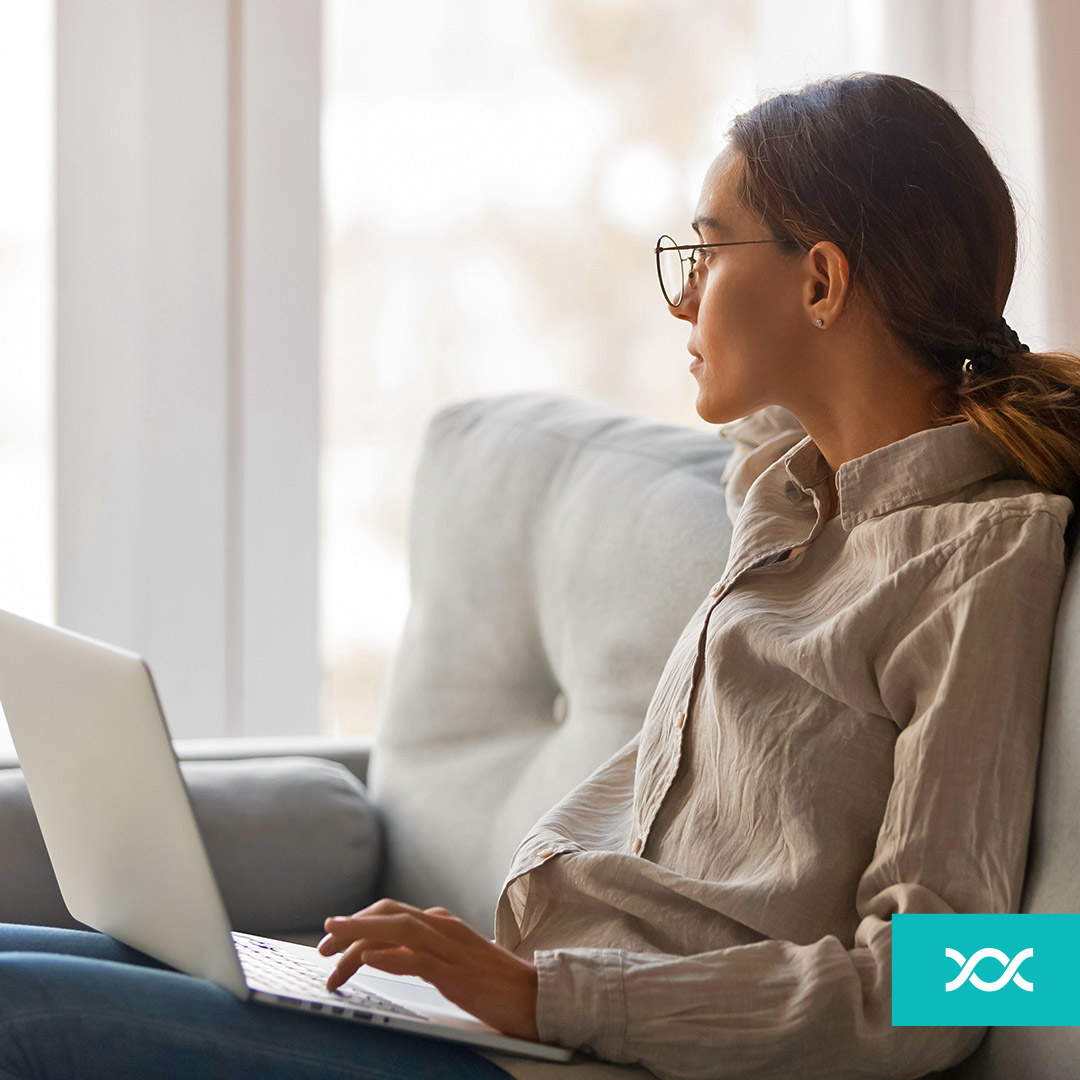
673	269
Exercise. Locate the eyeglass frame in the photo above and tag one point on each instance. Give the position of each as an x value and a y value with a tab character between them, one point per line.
692	260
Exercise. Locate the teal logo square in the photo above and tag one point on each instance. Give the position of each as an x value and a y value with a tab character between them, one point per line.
985	970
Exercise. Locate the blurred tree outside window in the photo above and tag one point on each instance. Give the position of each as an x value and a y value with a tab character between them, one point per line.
495	176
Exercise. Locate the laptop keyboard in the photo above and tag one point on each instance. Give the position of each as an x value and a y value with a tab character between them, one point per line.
284	973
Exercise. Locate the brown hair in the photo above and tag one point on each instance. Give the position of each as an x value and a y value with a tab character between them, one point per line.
888	170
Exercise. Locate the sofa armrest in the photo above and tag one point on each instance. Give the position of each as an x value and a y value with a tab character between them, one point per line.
291	840
354	753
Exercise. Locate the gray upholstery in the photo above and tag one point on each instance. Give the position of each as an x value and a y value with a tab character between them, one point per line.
1052	883
291	840
353	751
557	551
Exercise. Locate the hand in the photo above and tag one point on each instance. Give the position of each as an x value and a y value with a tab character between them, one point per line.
474	973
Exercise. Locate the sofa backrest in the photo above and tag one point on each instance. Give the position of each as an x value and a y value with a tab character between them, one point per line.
1052	882
557	550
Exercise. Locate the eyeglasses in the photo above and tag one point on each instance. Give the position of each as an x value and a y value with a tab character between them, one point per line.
671	264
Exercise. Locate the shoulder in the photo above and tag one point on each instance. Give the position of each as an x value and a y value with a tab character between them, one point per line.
987	515
999	541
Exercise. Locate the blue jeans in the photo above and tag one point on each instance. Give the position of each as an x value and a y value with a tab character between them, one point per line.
79	1004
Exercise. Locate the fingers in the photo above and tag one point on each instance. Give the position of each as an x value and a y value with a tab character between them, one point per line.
335	943
380	907
405	928
399	961
351	960
472	971
335	940
343	929
413	941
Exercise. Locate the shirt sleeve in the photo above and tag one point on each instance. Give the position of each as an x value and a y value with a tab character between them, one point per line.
760	439
587	818
965	682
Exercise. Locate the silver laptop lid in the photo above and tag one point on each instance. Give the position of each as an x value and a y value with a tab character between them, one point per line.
117	821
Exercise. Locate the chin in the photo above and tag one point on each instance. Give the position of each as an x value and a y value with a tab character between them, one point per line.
712	413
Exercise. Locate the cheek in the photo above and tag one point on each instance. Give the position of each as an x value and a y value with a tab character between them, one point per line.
737	302
725	303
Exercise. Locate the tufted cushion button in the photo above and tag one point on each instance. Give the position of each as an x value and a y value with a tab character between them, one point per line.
559	708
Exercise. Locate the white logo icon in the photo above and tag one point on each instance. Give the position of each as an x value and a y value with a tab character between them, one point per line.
968	967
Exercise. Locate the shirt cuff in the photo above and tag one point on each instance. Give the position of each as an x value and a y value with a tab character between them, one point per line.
581	1000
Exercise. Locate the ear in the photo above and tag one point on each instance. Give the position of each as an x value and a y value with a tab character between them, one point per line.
827	282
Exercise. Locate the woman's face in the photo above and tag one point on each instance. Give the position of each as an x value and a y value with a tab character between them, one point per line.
746	305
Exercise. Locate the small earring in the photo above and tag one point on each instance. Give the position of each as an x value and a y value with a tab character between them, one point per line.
820	322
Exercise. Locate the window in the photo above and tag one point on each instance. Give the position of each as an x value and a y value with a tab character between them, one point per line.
495	177
26	299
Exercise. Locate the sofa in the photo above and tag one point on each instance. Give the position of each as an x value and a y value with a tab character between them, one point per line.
557	549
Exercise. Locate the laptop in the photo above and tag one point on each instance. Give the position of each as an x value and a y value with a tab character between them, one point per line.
94	747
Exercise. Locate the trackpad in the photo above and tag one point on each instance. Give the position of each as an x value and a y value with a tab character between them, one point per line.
414	992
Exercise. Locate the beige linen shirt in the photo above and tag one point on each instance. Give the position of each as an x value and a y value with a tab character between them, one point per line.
837	737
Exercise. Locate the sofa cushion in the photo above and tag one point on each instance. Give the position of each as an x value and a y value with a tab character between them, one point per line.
291	840
1052	882
557	550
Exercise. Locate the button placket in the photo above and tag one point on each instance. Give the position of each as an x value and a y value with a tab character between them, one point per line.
646	807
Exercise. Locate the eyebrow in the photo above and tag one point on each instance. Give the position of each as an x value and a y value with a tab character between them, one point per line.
710	223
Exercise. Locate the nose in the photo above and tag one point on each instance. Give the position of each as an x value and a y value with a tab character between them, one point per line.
687	309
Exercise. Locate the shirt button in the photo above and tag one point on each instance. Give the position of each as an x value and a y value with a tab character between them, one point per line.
547	853
717	589
637	846
680	719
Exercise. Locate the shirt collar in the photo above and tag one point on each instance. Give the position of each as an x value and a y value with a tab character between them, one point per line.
917	468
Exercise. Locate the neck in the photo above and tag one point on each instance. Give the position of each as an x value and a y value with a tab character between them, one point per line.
879	404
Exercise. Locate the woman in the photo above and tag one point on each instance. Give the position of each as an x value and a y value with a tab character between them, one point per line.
828	744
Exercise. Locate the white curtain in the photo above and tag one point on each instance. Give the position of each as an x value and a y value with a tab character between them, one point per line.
1057	24
984	56
1009	67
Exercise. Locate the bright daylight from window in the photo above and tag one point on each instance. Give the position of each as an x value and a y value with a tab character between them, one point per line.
495	177
26	297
